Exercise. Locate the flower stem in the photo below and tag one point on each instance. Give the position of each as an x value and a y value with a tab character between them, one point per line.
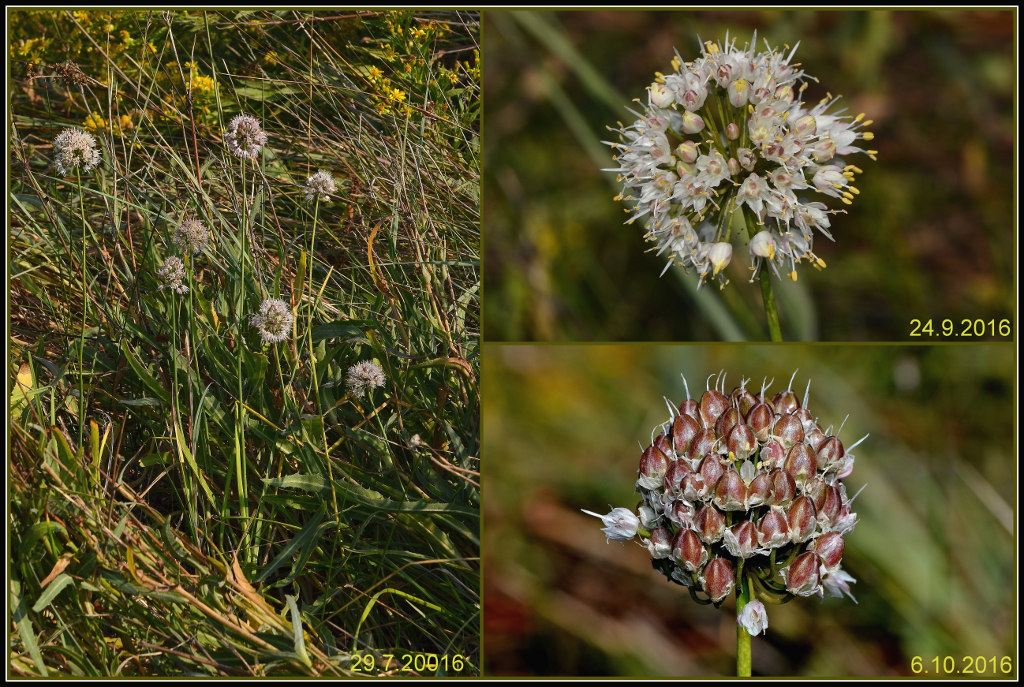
767	291
85	312
742	636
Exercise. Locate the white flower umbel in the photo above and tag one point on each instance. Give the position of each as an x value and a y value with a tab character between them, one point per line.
726	132
172	273
75	148
244	137
321	185
274	320
365	376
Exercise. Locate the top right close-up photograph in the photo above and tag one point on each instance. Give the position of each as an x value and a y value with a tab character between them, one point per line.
762	175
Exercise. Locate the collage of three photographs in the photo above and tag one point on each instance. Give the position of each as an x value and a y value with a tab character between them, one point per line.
474	344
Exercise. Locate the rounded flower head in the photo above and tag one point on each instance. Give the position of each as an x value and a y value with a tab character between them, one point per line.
744	480
191	236
75	148
321	185
244	137
274	320
172	273
365	376
725	136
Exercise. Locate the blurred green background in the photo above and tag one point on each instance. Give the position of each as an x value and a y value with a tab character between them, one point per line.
931	234
933	553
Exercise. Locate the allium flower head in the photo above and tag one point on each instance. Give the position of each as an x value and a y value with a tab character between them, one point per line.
274	320
191	236
172	273
321	185
365	376
75	148
745	481
244	137
728	132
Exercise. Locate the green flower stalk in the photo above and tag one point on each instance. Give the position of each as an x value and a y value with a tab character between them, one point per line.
743	493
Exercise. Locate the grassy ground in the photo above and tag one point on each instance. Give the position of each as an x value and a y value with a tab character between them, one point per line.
186	499
929	236
933	550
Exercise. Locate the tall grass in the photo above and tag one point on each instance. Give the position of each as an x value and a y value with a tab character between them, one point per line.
231	508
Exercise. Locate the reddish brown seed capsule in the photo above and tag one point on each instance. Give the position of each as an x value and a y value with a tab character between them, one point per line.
773	455
831	505
653	465
711	470
709	523
815	438
660	543
741	540
829	548
726	421
786	402
759	491
741	442
789	430
730	491
701	444
691	408
688	550
773	530
800	463
783	487
717	579
693	488
830	453
677	470
680	512
742	399
663	444
684	428
712	404
802	574
760	418
801	518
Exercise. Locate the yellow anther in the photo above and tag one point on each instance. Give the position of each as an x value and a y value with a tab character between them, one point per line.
792	275
867	136
847	201
854	190
847	194
868	122
821	263
854	168
676	63
859	117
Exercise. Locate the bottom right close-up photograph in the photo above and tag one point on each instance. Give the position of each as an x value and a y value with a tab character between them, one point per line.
696	511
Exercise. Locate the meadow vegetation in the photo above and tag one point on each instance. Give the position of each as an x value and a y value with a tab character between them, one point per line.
189	495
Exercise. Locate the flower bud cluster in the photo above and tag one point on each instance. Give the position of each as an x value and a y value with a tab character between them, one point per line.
743	479
729	131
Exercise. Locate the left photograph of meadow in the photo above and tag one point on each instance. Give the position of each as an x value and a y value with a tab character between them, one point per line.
244	413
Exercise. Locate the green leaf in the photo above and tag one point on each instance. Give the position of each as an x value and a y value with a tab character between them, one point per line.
52	590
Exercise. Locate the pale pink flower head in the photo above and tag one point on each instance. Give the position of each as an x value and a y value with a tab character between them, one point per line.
244	137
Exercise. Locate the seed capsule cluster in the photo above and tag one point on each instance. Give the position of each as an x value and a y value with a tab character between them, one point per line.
752	480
